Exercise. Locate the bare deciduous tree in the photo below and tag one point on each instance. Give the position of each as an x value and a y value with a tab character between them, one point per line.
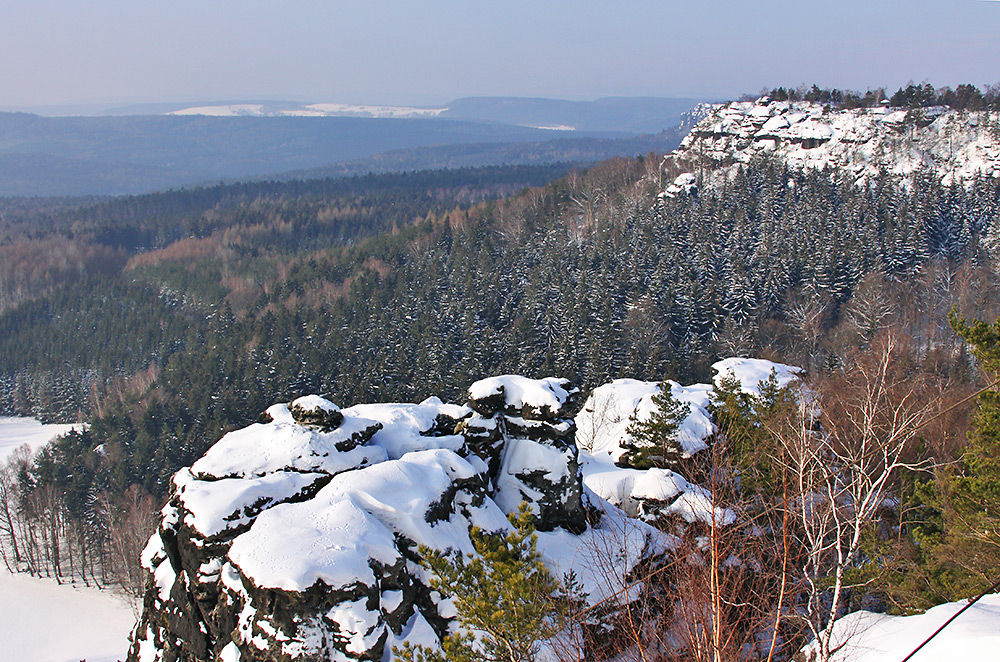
845	470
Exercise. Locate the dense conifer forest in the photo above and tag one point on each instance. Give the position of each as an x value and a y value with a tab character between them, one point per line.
165	320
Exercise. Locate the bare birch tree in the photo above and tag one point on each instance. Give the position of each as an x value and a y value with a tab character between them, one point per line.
844	464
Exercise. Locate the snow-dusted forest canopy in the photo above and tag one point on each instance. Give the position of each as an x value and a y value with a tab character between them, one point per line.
858	475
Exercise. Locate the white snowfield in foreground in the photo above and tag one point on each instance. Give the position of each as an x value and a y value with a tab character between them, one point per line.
41	621
972	637
15	431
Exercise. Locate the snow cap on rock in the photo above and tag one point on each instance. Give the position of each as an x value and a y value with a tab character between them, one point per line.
313	411
536	399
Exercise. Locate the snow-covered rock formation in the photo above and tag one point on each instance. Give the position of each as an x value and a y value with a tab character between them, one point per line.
956	145
297	538
653	494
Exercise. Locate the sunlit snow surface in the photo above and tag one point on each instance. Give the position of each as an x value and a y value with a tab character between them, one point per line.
15	431
41	621
975	635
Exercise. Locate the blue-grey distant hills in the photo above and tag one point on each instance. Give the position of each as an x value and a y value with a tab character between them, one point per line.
625	114
185	144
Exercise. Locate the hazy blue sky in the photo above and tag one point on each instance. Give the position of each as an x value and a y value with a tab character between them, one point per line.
431	51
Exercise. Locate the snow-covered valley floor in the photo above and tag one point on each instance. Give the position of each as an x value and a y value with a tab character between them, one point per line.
42	621
15	431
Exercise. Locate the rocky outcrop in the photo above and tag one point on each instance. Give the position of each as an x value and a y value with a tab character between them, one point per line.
297	538
955	145
525	429
661	495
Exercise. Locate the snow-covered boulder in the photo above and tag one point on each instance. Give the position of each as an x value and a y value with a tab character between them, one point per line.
752	373
537	461
686	182
655	494
514	395
603	422
314	412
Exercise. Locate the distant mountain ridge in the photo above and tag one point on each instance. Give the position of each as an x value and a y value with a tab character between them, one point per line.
54	156
618	114
202	144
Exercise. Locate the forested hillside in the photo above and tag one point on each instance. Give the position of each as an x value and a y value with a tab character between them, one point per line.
167	320
594	276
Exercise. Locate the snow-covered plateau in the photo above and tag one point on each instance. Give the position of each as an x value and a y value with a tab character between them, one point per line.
41	621
956	145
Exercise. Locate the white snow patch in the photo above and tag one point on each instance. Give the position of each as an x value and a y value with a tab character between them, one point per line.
313	402
404	425
390	601
41	621
359	625
417	632
540	394
602	557
696	506
868	637
164	577
603	423
230	653
309	110
264	448
216	505
526	455
751	373
354	518
16	431
293	547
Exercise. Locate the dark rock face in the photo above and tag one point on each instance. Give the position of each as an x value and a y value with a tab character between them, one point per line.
539	460
297	538
315	413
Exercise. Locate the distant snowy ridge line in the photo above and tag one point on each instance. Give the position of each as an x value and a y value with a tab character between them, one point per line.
956	145
295	537
309	110
333	110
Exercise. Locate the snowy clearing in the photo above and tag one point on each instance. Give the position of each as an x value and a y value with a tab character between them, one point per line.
41	621
15	431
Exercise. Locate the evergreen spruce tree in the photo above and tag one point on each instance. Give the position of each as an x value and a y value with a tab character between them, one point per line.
972	490
952	550
653	440
508	602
